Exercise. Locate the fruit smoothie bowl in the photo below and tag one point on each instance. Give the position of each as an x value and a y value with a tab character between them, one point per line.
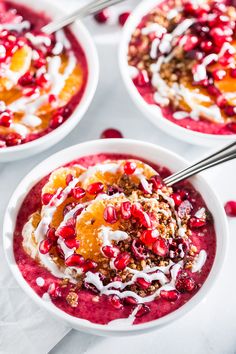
177	61
94	236
47	81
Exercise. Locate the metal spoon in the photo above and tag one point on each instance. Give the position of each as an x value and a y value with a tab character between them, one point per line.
226	153
86	10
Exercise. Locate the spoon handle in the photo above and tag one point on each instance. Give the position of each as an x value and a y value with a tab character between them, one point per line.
226	153
88	9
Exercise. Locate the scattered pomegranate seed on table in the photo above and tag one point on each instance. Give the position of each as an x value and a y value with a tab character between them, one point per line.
123	18
111	133
230	208
102	16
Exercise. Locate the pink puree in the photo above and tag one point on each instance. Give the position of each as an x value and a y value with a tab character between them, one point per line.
37	20
102	312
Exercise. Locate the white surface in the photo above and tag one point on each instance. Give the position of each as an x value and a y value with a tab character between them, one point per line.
211	327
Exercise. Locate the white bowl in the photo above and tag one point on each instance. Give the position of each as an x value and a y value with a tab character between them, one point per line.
153	113
86	42
140	149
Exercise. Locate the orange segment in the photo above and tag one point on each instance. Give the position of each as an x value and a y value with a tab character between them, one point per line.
72	85
88	227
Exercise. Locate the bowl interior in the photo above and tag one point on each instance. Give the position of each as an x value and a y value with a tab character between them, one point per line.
153	112
78	29
143	150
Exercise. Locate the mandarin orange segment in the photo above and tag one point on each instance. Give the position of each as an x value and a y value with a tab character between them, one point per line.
72	85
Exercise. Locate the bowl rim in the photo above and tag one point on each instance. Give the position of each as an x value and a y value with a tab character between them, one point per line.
88	47
133	20
108	145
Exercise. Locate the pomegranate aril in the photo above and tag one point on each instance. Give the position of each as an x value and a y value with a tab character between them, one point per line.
66	231
130	167
75	260
30	91
122	260
42	80
185	283
95	188
45	246
26	79
123	18
143	283
54	290
110	251
13	139
218	74
102	16
139	250
221	101
196	222
111	134
177	198
143	310
232	127
125	210
115	302
171	295
46	198
148	237
129	300
6	119
56	121
156	182
69	178
230	111
191	42
78	192
51	234
230	208
233	73
110	214
89	265
72	243
206	46
144	219
39	63
160	247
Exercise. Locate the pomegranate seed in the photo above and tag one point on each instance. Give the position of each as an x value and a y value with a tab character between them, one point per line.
185	283
130	167
89	265
160	247
230	111
196	222
42	80
95	188
221	101
232	127
13	139
213	90
125	210
144	219
26	79
129	300
46	198
139	250
143	283
111	134
72	243
122	260
218	74
56	120
52	99
45	246
230	208
78	192
30	91
66	231
69	178
149	236
110	214
190	43
141	79
39	63
206	46
233	73
54	290
171	295
75	260
6	119
51	235
136	209
115	302
110	251
102	16
177	198
156	182
123	18
143	310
